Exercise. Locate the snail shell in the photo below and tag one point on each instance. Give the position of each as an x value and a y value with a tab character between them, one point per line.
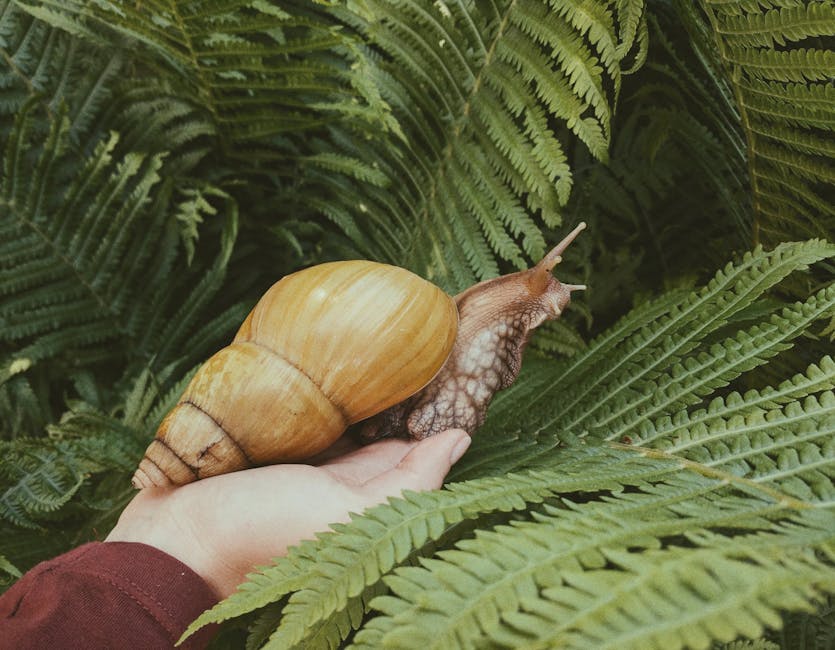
322	349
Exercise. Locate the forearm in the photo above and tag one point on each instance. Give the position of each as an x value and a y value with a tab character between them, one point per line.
114	595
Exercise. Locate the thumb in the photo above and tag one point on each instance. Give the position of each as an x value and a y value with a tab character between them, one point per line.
424	467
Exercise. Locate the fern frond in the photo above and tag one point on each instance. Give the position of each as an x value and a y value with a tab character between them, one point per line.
776	62
817	379
807	630
533	583
38	478
701	375
73	248
257	70
488	97
670	338
789	447
24	405
76	273
325	574
44	65
780	26
8	567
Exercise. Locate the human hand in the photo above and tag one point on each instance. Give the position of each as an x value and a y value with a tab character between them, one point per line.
222	527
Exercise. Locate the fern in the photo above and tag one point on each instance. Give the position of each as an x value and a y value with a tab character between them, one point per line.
563	557
677	148
8	567
42	63
76	274
220	55
69	488
70	250
38	477
476	104
807	631
487	96
780	72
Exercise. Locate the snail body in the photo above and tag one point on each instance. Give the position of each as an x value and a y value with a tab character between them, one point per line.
496	320
340	342
322	349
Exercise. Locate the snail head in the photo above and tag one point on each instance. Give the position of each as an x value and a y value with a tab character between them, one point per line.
542	283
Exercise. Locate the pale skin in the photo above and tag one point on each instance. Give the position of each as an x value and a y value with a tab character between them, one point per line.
225	526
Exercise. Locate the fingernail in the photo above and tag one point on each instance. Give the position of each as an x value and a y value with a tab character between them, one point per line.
460	447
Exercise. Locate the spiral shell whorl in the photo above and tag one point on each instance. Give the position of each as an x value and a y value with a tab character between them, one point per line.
322	349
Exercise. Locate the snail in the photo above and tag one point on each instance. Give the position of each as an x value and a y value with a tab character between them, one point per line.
341	342
496	319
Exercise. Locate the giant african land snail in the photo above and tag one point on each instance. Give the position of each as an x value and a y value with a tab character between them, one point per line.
340	342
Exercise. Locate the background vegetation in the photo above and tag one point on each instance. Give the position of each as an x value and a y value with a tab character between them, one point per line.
662	473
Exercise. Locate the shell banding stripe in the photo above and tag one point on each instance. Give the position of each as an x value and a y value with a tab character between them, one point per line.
212	444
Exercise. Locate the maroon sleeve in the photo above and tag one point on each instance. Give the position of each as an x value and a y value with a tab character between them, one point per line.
105	595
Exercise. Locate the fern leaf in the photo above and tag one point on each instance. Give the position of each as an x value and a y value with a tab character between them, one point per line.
817	378
38	479
41	482
67	276
8	567
223	55
780	26
775	63
41	62
758	644
483	94
489	586
699	376
790	447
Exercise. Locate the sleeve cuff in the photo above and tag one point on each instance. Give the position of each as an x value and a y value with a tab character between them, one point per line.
117	594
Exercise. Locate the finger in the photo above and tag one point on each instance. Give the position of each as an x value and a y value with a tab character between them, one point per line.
424	467
366	463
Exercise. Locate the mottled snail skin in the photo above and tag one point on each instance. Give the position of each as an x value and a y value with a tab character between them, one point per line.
496	319
322	349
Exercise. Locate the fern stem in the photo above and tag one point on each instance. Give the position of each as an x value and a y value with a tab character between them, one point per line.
452	143
735	75
203	85
750	486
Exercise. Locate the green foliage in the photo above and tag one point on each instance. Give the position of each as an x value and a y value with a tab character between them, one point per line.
489	96
239	61
61	252
8	567
669	483
778	60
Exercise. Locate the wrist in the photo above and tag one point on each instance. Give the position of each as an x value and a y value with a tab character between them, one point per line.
154	519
